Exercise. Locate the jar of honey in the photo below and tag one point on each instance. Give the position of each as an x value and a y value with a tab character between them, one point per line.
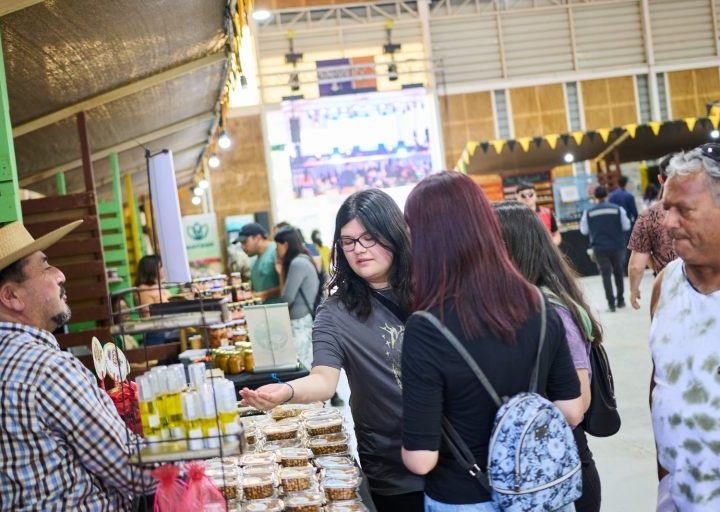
235	363
221	360
249	360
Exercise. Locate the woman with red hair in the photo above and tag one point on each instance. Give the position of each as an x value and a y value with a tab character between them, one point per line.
463	276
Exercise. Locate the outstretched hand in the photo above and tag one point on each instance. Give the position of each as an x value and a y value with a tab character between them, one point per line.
266	397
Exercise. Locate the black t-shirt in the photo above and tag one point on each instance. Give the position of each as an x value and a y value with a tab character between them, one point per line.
437	381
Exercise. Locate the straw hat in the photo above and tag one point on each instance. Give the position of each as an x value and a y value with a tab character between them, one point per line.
16	242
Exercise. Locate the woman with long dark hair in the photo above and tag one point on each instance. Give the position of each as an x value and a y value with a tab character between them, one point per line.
464	277
299	283
360	328
149	278
542	263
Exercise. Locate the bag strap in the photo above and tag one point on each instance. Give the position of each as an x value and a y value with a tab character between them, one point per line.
460	450
307	304
464	353
543	327
394	308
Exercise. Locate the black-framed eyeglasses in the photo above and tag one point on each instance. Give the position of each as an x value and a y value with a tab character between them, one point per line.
347	243
527	195
711	150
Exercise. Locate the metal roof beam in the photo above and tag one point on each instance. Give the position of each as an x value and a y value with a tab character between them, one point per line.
123	146
10	6
116	94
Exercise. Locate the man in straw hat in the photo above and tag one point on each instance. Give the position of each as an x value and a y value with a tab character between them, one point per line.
63	445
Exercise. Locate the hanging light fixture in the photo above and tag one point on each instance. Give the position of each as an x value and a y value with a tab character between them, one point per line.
196	200
224	141
198	191
214	161
261	15
204	184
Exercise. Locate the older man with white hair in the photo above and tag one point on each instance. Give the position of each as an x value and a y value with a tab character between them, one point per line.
685	338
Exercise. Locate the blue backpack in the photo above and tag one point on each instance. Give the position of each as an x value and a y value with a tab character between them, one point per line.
533	461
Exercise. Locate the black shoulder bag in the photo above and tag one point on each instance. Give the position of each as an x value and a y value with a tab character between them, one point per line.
602	418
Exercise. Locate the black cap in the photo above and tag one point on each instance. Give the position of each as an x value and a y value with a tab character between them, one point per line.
524	185
251	229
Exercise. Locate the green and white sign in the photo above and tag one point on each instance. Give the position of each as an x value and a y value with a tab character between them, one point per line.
202	244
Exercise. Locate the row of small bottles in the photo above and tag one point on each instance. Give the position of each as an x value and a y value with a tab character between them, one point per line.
199	412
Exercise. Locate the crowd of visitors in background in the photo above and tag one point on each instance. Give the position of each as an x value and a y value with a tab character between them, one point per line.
472	302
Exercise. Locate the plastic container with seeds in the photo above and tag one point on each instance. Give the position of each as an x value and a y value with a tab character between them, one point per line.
334	461
260	470
256	487
293	457
341	489
257	459
318	426
226	479
277	432
297	479
328	444
285	411
251	435
320	413
274	446
268	505
347	506
341	472
304	502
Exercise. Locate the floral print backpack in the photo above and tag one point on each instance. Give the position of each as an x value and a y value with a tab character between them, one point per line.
533	462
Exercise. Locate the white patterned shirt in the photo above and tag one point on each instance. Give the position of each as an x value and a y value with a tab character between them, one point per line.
685	346
63	445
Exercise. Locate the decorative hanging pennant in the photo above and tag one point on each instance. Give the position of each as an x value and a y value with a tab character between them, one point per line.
578	137
552	140
631	129
591	136
604	133
485	146
471	148
525	143
655	127
511	144
498	145
565	138
538	141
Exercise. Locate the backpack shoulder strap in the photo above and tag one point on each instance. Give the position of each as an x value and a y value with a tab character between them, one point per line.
543	328
463	352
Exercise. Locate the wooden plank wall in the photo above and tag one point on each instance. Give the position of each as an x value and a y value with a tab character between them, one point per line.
609	102
79	256
538	110
690	90
465	117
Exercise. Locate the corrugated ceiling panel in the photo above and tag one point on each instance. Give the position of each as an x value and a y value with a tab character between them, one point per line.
682	30
468	47
609	35
537	42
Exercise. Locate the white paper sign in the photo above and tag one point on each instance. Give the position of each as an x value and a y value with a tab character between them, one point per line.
270	333
98	358
116	363
569	194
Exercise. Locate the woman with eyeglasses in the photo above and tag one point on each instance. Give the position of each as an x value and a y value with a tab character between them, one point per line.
543	264
360	328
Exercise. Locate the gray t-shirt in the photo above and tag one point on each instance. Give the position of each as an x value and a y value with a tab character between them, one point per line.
369	351
302	275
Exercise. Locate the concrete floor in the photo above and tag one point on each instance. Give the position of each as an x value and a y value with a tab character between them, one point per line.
626	461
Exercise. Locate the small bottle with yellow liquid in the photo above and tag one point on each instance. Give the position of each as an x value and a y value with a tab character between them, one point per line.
209	417
149	417
193	419
158	381
176	383
227	410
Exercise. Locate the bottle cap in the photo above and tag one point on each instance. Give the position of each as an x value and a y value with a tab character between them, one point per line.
178	370
158	380
197	375
191	405
208	398
145	392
